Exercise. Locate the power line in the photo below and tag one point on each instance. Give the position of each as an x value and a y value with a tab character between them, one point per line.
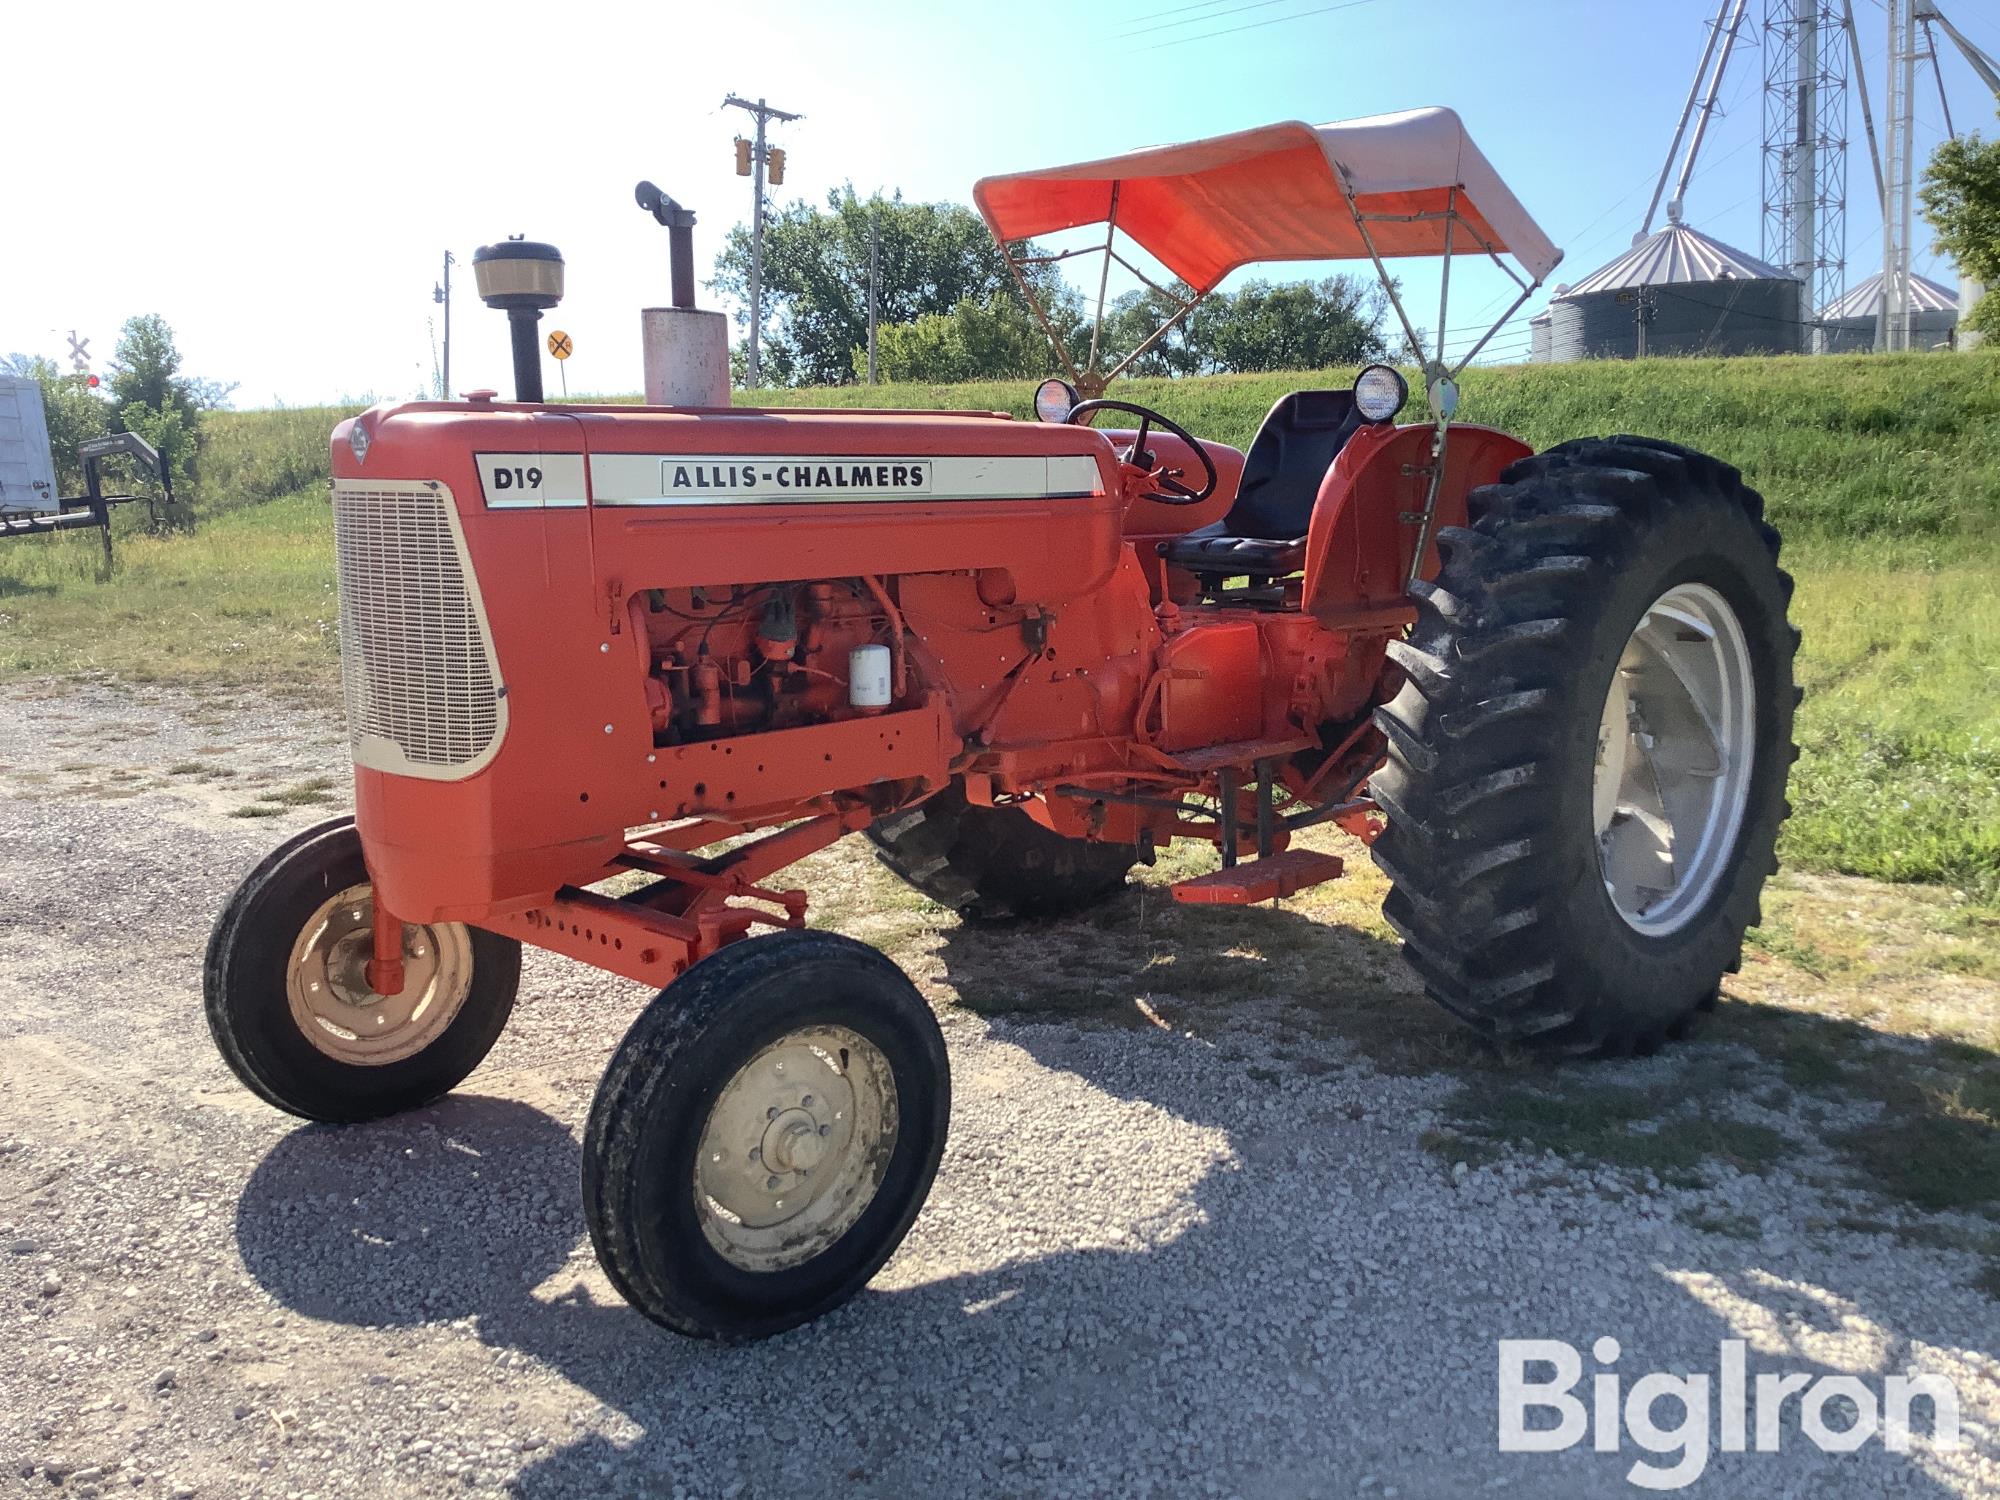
1154	15
1233	10
1255	25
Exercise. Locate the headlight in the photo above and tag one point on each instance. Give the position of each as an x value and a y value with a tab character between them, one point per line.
1379	393
1053	400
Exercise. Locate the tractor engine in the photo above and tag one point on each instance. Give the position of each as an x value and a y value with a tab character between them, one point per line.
748	658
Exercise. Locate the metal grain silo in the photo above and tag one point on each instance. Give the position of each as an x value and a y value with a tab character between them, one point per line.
1677	292
1849	322
1538	338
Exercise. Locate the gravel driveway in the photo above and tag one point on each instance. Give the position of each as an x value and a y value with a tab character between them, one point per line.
1158	1260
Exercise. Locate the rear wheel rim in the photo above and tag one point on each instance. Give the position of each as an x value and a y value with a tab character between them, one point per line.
795	1148
333	1004
1675	752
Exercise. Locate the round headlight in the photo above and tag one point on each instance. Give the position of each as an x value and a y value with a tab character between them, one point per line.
1379	393
1053	400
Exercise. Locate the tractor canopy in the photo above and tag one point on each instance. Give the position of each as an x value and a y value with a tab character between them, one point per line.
1405	184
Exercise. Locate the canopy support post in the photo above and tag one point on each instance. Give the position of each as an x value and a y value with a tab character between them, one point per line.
1444	279
1381	271
1035	306
1103	285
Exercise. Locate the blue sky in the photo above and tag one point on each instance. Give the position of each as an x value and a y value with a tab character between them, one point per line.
281	181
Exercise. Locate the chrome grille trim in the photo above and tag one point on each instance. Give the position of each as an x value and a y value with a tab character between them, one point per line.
421	682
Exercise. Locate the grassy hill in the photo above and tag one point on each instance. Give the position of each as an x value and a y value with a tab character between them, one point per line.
1883	472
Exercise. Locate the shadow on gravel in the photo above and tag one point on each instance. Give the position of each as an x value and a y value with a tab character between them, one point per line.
1327	1310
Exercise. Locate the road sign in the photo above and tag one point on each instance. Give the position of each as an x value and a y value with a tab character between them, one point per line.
559	344
79	351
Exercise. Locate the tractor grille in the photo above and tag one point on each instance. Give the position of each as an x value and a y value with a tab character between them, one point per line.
422	685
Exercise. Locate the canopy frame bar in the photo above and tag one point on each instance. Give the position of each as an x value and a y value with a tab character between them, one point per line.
1089	380
1440	375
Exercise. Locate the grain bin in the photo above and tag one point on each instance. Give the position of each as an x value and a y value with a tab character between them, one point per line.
1849	320
1678	291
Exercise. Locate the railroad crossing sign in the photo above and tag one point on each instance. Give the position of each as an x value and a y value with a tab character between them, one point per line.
79	352
559	344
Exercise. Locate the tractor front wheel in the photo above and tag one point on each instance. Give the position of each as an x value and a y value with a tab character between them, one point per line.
992	863
765	1135
1587	759
289	1003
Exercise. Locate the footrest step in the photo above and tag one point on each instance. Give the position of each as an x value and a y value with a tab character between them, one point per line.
1260	879
1239	753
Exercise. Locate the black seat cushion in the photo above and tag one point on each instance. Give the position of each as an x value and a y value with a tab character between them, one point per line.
1212	550
1264	533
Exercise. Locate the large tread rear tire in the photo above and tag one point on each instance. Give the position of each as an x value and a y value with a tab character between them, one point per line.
992	863
1491	848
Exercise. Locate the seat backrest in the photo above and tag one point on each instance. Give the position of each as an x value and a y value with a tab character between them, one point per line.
1288	458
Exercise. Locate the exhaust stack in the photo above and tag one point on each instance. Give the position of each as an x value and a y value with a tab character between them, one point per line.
523	278
686	349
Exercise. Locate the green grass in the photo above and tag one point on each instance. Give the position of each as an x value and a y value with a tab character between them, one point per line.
249	457
1899	446
1884	473
1899	770
247	600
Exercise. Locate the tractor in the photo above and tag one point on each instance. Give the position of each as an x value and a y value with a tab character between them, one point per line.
673	649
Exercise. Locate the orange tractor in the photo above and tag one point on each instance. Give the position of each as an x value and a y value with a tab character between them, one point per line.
690	646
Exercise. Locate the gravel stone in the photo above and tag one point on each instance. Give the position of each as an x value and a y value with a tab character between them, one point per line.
1210	1259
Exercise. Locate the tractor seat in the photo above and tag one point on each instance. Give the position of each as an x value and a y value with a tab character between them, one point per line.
1213	550
1264	534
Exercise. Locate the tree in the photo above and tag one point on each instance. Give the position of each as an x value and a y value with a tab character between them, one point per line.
1298	325
992	339
933	257
147	370
1961	197
152	398
1131	319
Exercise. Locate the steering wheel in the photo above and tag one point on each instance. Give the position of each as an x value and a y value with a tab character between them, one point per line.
1171	491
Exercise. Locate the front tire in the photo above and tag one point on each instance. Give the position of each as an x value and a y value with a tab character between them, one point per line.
765	1135
291	1011
1587	759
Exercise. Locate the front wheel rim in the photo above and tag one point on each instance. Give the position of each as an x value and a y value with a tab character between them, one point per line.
1675	752
795	1148
336	1009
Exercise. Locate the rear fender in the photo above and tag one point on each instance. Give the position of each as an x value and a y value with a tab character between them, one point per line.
1369	511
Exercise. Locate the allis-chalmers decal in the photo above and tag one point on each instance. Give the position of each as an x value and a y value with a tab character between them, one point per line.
519	481
706	478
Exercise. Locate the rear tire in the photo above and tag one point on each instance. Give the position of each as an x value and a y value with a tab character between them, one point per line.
294	1021
1513	907
992	863
765	1135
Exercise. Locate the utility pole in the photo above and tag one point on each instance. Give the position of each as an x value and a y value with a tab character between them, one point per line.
874	280
442	293
763	113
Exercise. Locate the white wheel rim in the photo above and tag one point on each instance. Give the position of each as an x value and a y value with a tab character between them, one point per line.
1675	752
795	1148
327	987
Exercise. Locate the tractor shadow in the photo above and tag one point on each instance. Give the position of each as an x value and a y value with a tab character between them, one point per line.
1247	1305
